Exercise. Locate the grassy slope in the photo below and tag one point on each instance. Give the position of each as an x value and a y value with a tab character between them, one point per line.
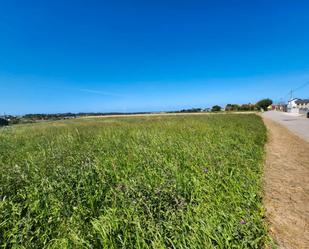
157	182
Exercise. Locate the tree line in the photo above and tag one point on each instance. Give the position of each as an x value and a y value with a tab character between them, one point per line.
260	105
29	118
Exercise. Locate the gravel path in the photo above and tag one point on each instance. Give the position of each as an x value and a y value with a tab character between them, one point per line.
297	124
286	187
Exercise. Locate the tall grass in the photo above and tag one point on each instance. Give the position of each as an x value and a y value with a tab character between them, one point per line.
146	182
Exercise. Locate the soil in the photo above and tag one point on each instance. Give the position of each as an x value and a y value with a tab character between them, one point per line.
286	187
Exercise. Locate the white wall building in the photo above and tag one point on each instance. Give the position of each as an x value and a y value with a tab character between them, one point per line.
300	106
303	105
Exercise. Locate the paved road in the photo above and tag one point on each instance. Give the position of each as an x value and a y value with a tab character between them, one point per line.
297	124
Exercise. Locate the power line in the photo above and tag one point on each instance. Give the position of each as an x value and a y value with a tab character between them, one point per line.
300	87
290	93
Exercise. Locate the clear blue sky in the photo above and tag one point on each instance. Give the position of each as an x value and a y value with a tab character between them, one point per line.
60	56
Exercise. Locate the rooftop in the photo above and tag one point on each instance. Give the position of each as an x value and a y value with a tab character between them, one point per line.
302	101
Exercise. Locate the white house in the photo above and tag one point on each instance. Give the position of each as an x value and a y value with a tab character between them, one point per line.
296	105
292	106
303	105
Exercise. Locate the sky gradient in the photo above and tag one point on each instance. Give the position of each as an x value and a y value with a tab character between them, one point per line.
127	56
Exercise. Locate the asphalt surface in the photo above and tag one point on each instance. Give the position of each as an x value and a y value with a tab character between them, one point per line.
295	123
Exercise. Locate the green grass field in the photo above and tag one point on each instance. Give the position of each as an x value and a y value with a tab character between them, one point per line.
133	182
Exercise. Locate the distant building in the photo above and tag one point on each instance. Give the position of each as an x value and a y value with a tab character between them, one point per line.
299	106
303	105
278	107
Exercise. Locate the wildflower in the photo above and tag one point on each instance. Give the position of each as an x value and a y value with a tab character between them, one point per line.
206	171
243	222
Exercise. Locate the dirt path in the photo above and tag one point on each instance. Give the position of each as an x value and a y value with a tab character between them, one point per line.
286	186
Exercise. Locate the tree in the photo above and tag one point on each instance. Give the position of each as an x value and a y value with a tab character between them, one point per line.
247	107
264	103
216	108
232	107
3	122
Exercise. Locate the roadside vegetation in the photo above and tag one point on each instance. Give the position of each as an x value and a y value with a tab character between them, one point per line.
135	182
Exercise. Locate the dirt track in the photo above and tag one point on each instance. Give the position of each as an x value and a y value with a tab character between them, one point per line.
286	186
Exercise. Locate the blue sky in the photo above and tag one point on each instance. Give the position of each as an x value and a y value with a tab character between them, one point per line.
60	56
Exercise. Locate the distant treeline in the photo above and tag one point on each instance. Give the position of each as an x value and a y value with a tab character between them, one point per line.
217	108
75	115
189	110
243	107
30	118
